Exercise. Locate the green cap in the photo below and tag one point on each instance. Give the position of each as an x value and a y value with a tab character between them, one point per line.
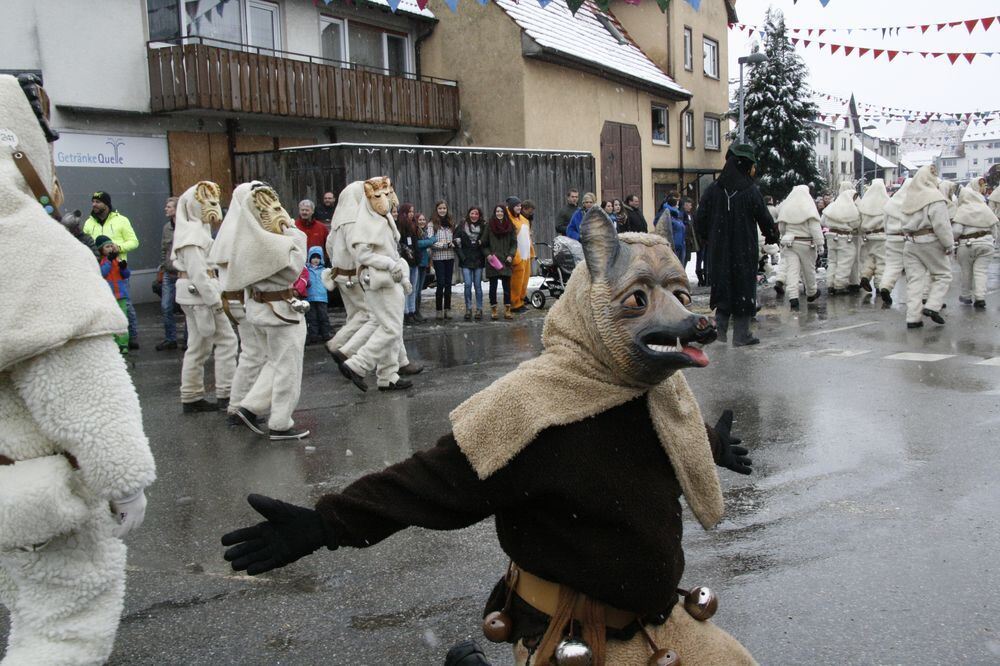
745	150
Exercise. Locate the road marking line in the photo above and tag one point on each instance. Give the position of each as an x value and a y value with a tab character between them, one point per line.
837	353
837	330
914	356
990	361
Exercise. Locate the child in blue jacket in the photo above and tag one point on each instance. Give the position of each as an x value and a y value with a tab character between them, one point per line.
116	274
318	317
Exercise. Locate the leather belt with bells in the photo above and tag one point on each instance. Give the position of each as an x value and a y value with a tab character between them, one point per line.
38	188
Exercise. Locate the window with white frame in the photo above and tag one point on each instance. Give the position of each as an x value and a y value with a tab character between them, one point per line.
661	125
949	162
250	22
688	49
843	143
712	136
689	129
710	48
352	42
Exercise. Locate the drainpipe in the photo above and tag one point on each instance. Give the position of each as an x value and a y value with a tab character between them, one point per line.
682	144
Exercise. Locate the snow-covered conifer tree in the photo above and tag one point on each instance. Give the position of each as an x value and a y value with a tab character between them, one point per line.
778	111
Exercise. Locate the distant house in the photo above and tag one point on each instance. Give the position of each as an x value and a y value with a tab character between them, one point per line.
978	153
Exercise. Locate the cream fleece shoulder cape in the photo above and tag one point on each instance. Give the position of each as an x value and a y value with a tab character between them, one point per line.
188	227
875	199
250	253
972	210
923	191
86	306
843	210
894	206
574	378
798	207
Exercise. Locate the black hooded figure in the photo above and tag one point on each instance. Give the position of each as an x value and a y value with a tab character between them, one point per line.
728	213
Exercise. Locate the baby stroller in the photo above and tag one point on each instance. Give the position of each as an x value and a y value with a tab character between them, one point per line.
555	272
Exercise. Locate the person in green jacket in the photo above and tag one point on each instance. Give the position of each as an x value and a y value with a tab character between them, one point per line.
498	247
106	221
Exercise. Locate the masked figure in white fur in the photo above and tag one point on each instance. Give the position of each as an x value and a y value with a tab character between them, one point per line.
68	490
199	294
261	251
976	231
360	324
872	210
614	345
928	249
801	235
372	241
842	220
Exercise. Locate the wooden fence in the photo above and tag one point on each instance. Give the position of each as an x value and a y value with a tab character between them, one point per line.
422	175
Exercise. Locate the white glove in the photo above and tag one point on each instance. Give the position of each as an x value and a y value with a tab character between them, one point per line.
129	513
407	286
396	273
326	277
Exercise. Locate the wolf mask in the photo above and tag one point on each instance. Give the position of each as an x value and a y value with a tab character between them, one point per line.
380	195
268	210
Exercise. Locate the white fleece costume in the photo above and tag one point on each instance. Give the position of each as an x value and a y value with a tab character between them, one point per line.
894	237
262	262
199	294
843	220
359	326
976	229
373	241
928	244
872	210
801	235
994	201
64	394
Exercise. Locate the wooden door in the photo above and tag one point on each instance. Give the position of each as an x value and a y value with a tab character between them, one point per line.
198	156
621	161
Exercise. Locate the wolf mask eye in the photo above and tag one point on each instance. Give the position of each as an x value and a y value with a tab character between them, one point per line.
683	297
637	300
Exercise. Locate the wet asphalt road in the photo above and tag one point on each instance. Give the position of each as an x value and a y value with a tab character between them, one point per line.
866	535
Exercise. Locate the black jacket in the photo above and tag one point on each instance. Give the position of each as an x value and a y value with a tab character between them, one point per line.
470	252
730	211
634	220
563	217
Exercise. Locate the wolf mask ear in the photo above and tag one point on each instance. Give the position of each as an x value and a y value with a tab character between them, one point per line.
600	242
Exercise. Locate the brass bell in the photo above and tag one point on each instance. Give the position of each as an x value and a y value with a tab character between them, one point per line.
701	603
496	627
573	652
664	658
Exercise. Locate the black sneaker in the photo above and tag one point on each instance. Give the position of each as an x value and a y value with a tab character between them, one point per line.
398	385
779	288
866	284
291	433
793	303
352	376
812	298
965	300
914	324
979	305
832	291
233	420
223	403
885	296
853	288
133	344
411	368
249	419
934	316
166	344
200	406
746	342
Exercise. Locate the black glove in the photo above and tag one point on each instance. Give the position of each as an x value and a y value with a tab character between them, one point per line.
732	456
290	532
466	653
122	264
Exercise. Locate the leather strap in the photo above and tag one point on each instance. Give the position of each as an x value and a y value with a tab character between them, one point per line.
804	239
229	313
272	296
234	295
921	232
545	596
5	461
38	188
349	272
977	234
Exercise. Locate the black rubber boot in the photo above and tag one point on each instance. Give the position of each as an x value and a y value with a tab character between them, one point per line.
779	288
885	296
979	305
934	316
794	303
742	336
398	385
200	406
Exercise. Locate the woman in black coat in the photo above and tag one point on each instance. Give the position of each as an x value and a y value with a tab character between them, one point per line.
728	215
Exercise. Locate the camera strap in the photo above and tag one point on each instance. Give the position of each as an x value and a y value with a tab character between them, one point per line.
38	188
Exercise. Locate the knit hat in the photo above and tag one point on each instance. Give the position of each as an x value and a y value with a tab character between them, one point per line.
101	241
512	201
744	150
103	197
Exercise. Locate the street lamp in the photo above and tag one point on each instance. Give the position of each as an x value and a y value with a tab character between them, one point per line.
752	59
875	171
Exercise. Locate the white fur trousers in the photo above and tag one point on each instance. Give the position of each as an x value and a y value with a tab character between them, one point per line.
207	329
252	366
278	391
381	351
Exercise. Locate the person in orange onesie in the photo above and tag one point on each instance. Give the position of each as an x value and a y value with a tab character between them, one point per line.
521	269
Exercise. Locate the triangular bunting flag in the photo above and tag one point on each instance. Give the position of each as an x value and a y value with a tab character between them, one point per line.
695	3
987	22
603	5
924	53
422	4
883	33
820	31
923	29
969	56
824	2
862	50
806	42
876	53
809	32
940	26
574	5
394	5
848	49
795	40
953	57
971	24
453	5
820	45
952	24
892	54
936	55
834	48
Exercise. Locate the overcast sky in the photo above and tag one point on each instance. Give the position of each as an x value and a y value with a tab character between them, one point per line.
909	82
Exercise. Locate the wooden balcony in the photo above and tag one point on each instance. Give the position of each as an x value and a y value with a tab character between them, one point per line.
201	75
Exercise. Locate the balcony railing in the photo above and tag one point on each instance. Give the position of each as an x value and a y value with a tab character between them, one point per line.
211	75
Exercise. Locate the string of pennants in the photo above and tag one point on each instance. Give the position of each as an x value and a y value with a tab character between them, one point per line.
986	22
862	51
876	112
574	5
